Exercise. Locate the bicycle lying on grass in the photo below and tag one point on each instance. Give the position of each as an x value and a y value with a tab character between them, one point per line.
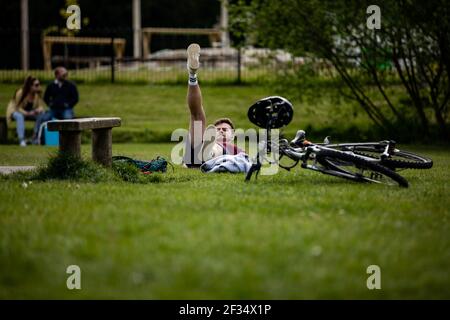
375	162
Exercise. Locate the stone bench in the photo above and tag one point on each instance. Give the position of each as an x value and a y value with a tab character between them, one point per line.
70	136
3	130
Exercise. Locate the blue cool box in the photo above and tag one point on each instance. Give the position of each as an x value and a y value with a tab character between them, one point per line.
51	137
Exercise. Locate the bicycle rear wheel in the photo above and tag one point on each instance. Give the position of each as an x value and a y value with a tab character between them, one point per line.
397	159
353	167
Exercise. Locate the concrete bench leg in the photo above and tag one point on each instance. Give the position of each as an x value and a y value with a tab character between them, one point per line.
102	146
70	142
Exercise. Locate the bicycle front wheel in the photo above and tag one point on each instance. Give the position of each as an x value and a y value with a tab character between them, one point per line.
353	167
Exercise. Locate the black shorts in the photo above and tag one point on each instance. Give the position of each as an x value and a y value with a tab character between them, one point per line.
193	154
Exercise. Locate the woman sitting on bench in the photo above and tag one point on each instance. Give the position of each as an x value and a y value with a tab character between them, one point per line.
26	104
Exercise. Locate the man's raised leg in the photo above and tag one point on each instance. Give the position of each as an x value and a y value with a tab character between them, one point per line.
196	111
198	118
194	94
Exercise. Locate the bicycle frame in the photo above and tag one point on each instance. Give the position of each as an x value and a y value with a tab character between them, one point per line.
302	153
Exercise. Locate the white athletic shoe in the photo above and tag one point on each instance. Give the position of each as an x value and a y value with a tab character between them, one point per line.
23	143
193	56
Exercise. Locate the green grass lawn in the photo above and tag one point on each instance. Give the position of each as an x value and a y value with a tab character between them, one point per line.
151	112
192	235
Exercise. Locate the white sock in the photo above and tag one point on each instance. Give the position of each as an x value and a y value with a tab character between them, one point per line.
193	79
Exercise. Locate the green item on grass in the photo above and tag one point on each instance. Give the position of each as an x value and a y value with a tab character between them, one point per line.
159	164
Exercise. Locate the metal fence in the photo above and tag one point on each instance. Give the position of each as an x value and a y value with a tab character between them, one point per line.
149	71
104	59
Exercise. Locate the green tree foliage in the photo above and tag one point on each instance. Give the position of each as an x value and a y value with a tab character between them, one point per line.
412	47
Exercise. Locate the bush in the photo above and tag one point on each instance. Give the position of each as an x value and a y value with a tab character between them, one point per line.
68	167
64	166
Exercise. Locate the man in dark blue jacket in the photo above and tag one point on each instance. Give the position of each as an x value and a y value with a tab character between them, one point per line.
61	96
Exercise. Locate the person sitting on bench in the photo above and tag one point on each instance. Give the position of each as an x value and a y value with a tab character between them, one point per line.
61	96
26	104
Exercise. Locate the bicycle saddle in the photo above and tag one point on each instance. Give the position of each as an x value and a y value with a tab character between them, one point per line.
271	112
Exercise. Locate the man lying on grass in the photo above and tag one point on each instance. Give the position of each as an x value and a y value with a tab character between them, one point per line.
203	143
